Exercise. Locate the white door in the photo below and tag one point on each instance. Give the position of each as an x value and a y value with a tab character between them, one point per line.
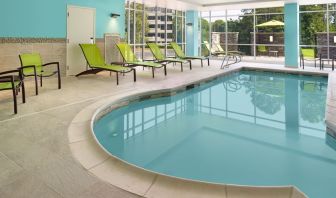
80	29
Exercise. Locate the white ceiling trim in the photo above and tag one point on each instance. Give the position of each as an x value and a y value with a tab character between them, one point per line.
240	4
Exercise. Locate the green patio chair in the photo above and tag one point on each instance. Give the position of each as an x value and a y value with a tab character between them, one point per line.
307	54
262	49
97	64
158	55
13	80
34	59
132	61
180	54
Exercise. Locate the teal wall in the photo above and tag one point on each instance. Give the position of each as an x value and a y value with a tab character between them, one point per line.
47	18
192	33
291	35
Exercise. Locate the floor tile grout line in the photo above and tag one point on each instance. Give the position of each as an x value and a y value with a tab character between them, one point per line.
100	163
151	185
78	141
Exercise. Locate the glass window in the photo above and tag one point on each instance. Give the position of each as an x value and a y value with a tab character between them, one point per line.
205	32
149	23
311	24
269	10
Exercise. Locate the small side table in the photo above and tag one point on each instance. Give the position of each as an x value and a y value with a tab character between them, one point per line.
274	52
323	60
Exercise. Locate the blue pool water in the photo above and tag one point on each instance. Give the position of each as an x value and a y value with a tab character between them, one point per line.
247	128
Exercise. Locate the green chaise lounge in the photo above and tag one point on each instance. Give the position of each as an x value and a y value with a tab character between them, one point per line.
160	58
219	52
13	80
213	51
97	64
180	54
132	61
34	59
232	53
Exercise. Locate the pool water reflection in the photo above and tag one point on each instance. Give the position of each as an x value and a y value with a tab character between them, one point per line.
248	128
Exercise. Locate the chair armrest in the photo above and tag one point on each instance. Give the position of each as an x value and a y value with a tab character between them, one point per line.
27	66
51	63
6	78
10	71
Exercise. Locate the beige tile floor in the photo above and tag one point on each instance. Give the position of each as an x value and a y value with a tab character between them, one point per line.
35	159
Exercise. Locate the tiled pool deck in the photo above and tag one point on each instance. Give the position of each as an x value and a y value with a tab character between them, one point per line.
39	158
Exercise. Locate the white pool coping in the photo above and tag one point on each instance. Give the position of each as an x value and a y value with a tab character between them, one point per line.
137	180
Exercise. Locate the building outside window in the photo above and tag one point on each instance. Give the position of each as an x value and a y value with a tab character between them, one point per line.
318	29
244	30
150	23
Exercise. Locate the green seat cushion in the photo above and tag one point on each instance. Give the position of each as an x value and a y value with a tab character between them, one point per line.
308	53
116	68
8	85
92	55
155	49
174	60
31	59
145	64
177	49
126	52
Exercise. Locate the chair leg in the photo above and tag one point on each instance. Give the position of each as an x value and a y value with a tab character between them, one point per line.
36	85
117	78
134	75
202	62
59	77
165	70
153	72
190	65
23	92
208	62
15	100
181	67
41	80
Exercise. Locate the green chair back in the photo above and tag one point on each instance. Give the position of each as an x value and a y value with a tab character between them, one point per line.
219	47
126	52
92	55
177	50
308	52
210	49
31	59
261	48
156	51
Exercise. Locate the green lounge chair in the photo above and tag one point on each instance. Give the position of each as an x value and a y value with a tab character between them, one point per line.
97	64
307	54
132	61
235	55
162	59
213	51
28	60
13	80
180	54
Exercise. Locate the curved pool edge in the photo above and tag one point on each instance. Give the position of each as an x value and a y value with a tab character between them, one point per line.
129	177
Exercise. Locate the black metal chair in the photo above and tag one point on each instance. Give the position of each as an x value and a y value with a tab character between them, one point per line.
13	80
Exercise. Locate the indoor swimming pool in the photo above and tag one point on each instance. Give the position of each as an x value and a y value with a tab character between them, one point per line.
246	128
